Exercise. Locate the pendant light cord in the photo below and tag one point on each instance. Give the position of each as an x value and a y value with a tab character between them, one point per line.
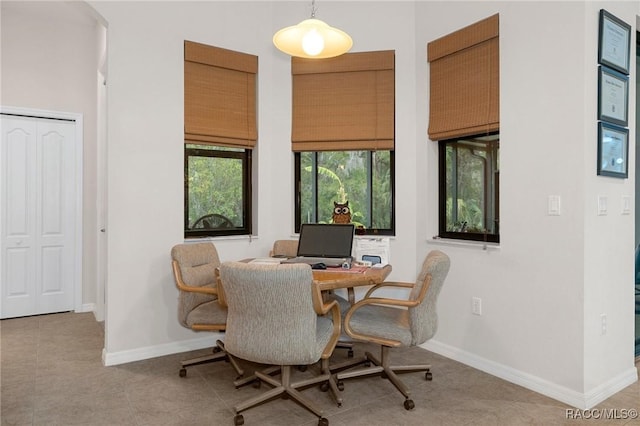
313	9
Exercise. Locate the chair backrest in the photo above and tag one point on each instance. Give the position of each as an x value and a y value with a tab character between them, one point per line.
197	265
288	248
270	313
423	319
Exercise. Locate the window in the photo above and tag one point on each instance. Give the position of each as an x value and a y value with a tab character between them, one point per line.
363	178
220	131
464	92
217	193
343	138
469	191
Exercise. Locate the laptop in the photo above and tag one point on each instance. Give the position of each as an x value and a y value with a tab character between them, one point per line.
324	243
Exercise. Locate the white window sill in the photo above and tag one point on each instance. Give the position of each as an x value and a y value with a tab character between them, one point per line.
450	242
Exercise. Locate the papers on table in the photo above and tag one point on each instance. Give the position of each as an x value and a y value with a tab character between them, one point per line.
372	247
267	260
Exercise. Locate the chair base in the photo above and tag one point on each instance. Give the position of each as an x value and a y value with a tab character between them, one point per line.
381	367
285	387
219	354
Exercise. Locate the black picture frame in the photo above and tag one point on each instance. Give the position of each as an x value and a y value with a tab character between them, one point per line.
614	42
613	150
613	96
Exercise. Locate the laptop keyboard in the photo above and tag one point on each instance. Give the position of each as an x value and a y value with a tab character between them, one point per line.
329	261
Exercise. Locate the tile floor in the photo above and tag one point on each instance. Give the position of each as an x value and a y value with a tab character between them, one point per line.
51	374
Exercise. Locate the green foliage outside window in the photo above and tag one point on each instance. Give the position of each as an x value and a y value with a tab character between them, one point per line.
364	178
214	187
471	170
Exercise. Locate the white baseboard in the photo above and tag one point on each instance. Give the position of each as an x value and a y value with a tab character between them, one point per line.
87	307
571	397
123	357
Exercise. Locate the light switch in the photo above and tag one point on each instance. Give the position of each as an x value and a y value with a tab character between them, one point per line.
602	205
626	204
554	205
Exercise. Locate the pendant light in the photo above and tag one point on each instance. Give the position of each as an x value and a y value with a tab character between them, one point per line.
312	38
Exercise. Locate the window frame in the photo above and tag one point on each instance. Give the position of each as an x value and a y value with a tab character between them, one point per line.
367	231
246	157
442	191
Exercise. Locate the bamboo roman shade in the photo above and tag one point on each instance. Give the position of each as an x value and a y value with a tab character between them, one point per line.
465	78
344	103
219	96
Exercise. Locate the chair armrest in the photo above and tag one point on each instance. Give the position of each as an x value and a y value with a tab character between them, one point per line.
184	287
319	304
388	284
322	308
375	301
222	300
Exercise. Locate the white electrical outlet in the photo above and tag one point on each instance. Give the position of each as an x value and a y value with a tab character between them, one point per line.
476	306
603	324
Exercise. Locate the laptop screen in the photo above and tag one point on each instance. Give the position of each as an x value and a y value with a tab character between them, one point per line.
325	240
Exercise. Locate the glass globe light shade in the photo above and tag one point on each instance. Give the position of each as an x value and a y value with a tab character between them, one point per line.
312	38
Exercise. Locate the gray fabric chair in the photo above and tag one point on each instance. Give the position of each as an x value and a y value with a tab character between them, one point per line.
289	248
276	316
195	273
393	323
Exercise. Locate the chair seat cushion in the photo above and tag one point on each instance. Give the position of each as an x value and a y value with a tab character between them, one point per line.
207	313
382	321
342	303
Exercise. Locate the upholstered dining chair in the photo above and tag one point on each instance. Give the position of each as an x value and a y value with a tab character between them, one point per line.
284	248
289	248
276	316
393	323
194	270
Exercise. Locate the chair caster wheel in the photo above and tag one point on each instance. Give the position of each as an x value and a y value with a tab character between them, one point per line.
428	376
367	363
350	353
257	384
383	375
324	386
183	372
238	420
409	405
323	422
340	385
216	349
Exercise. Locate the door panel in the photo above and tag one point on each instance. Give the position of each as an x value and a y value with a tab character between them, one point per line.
38	216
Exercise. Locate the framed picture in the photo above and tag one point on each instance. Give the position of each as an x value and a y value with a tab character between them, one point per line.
613	96
614	42
613	150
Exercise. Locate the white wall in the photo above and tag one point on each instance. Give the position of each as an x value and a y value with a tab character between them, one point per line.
49	62
543	289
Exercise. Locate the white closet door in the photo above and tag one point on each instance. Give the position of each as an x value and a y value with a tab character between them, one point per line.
38	216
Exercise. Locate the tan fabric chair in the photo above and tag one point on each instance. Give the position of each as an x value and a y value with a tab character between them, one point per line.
195	273
393	323
284	248
276	316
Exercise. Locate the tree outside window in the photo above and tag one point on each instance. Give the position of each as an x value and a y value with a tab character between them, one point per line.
469	188
217	193
363	178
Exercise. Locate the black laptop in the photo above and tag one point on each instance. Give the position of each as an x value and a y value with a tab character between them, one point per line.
324	243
